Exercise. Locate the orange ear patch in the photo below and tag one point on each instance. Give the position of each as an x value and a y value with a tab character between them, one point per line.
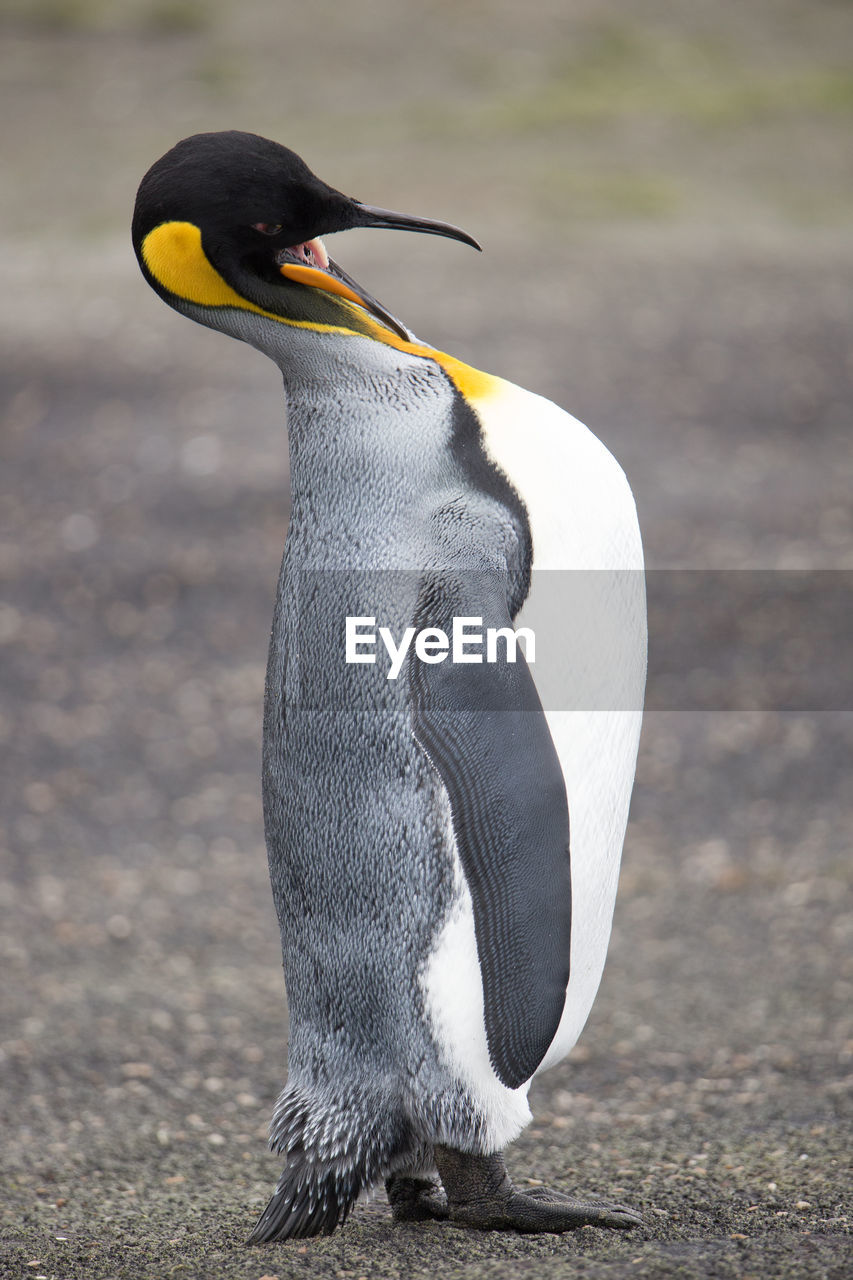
173	254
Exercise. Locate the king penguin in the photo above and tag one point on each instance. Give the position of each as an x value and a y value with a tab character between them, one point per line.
443	849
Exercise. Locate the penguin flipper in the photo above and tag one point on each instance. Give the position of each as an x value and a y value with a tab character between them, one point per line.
485	732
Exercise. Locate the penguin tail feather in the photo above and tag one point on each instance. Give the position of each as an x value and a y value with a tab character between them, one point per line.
332	1152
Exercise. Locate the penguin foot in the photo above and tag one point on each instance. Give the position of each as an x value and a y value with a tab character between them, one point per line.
415	1199
480	1194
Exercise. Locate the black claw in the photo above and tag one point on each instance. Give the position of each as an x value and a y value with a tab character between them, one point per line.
599	1212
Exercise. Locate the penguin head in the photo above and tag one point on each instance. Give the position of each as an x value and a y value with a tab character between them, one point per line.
232	220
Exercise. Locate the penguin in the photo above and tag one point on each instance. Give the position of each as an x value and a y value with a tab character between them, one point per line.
443	846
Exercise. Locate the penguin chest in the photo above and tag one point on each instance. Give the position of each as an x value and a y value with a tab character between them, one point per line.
585	605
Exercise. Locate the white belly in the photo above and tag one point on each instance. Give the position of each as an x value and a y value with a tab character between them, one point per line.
587	608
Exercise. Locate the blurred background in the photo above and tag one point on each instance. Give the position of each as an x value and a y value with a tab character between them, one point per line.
664	195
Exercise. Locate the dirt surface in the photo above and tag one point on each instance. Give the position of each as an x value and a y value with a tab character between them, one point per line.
663	199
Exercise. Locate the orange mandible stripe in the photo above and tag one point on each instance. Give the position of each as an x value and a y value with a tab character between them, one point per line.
319	280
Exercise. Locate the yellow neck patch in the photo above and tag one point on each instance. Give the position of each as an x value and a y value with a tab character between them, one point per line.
174	255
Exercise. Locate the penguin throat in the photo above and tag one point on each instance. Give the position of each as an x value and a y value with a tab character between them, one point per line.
311	253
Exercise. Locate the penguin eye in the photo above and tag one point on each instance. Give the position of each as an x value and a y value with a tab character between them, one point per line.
267	228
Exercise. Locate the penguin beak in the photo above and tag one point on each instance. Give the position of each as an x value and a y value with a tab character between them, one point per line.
309	263
367	215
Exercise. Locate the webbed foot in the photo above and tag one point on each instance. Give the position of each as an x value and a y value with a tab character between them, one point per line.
415	1199
480	1194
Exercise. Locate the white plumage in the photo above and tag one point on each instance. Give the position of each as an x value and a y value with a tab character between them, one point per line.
587	608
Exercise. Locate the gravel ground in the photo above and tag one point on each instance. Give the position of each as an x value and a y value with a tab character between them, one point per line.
673	269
